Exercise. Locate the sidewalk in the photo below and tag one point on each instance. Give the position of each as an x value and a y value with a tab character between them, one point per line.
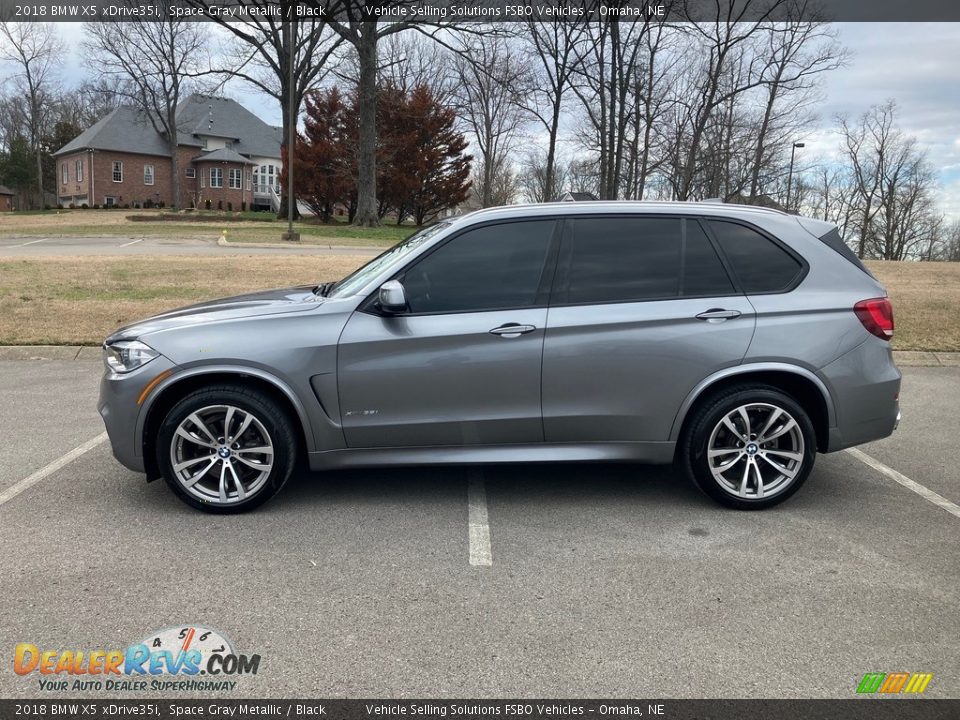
903	358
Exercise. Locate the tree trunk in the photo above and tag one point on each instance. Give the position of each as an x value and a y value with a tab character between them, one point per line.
367	171
174	158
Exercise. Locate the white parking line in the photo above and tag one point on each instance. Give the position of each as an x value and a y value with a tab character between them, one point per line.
32	242
132	242
924	492
28	482
478	525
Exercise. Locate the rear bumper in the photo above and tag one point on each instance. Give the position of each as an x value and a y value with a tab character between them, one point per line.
865	387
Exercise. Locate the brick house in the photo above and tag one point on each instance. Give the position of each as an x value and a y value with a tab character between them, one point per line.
6	199
229	159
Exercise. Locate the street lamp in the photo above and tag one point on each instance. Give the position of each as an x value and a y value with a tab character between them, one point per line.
793	152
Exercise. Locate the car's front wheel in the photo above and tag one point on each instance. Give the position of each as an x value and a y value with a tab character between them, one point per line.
226	449
750	447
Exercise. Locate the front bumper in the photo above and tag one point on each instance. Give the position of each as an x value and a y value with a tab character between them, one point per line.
118	407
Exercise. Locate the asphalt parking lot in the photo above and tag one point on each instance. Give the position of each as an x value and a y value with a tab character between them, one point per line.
603	580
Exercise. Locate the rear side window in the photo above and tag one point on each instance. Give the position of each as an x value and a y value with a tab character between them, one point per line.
622	259
614	260
703	273
833	240
760	264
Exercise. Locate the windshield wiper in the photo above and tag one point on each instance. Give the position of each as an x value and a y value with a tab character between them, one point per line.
323	289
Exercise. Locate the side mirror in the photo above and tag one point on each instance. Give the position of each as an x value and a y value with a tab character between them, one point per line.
392	297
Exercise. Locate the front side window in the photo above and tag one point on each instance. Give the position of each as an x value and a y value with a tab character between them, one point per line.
235	179
191	172
79	170
488	268
760	264
64	173
216	177
117	171
148	174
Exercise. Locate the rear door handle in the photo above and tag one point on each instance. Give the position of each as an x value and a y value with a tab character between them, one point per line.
512	330
718	315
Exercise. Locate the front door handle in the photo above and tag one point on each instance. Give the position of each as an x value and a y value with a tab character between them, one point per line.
716	315
512	330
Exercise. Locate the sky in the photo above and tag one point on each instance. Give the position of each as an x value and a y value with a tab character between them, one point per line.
917	64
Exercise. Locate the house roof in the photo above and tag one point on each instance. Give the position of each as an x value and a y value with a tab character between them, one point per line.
124	129
224	118
4	190
223	155
127	129
578	196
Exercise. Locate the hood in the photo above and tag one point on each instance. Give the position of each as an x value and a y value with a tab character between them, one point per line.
266	302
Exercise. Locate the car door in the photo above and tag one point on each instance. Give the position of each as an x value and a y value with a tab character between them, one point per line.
461	366
643	309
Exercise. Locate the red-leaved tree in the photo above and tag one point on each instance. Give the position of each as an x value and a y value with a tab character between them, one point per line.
422	167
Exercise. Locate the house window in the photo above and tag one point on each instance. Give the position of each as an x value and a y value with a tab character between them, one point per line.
78	169
64	173
191	172
109	201
216	177
117	171
235	178
148	174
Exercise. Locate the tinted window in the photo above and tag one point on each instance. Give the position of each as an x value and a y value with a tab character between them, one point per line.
623	259
489	268
703	273
760	264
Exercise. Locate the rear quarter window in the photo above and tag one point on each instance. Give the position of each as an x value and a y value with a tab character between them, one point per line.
760	264
833	241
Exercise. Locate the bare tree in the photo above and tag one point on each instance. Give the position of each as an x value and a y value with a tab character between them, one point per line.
892	187
490	76
32	48
153	61
553	49
797	53
542	180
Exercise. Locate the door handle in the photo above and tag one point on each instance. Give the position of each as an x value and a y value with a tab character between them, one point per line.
716	315
512	330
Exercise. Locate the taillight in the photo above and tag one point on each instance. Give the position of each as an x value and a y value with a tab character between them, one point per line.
876	315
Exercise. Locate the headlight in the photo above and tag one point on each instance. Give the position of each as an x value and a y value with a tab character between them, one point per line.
126	355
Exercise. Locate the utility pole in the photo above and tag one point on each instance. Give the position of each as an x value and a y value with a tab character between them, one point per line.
793	152
289	30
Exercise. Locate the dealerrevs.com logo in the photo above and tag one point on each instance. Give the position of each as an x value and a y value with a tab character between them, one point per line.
189	658
894	683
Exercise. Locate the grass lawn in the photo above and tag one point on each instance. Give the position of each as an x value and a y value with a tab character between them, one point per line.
252	227
80	300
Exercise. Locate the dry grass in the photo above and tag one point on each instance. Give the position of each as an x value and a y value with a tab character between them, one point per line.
926	303
80	300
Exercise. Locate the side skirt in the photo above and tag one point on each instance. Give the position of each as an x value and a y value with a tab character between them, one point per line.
646	452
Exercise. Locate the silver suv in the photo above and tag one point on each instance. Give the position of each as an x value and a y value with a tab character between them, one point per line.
735	341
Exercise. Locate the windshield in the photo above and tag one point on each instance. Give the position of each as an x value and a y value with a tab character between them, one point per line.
389	259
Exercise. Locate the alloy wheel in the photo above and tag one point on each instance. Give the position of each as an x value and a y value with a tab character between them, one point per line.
221	454
755	451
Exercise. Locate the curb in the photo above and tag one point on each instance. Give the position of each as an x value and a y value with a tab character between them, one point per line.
903	358
223	242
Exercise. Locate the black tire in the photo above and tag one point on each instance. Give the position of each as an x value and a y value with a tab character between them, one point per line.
708	416
272	419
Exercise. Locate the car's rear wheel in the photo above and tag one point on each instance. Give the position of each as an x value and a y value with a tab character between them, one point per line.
750	447
226	449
